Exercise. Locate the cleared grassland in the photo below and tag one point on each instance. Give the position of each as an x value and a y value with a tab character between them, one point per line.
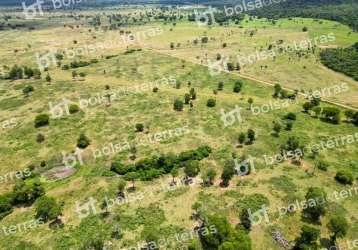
105	124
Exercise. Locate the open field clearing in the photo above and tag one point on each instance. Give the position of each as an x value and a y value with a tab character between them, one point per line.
136	97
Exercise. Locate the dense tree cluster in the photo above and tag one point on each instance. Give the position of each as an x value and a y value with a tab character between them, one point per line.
343	60
154	166
226	237
344	11
24	193
21	72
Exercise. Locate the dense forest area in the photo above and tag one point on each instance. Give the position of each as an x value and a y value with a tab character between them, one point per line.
342	60
343	11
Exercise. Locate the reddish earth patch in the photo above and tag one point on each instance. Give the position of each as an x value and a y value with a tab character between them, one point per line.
59	173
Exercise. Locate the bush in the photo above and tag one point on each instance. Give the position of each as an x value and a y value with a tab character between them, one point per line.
308	238
192	94
314	212
237	86
251	203
155	89
178	105
331	114
65	67
5	205
187	98
26	192
321	165
83	141
344	177
220	86
228	173
41	120
74	108
27	90
191	168
40	138
47	208
139	127
289	125
251	135
16	73
120	168
79	64
48	78
211	103
290	116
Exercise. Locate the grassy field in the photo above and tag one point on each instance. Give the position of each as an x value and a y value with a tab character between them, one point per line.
103	124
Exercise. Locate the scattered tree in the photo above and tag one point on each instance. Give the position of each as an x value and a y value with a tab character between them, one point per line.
316	210
83	141
139	127
338	225
41	120
344	177
178	105
211	103
47	208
